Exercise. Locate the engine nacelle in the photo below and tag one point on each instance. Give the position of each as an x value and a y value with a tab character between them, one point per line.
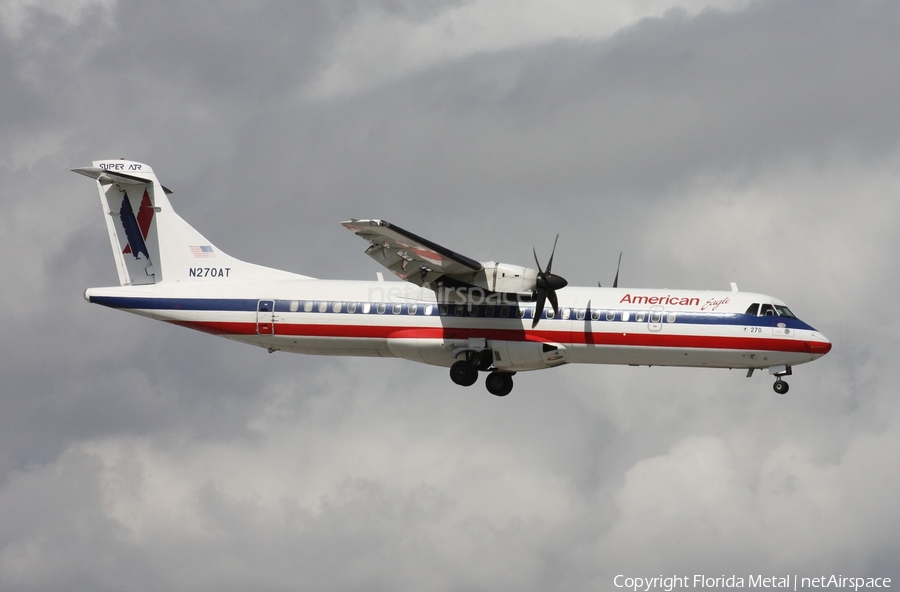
514	356
503	277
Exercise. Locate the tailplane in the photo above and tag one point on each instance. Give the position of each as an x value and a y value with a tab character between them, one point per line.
150	242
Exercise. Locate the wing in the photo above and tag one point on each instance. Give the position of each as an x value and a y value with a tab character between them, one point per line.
413	258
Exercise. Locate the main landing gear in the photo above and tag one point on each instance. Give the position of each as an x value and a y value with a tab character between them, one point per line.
499	383
465	373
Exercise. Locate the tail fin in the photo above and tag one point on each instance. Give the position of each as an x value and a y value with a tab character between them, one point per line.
150	242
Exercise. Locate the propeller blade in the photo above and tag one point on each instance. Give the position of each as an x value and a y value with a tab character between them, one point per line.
539	307
552	253
551	296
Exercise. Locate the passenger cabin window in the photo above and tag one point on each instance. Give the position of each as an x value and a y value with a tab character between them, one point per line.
397	308
550	313
336	307
579	314
295	305
595	315
351	307
323	306
610	315
367	307
307	306
504	311
412	309
380	307
639	316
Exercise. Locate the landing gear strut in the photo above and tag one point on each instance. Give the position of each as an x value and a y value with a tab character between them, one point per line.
482	360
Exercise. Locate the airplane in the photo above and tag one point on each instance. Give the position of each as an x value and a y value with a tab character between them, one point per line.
451	310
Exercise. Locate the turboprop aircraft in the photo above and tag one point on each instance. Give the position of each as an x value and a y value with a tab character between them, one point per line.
451	310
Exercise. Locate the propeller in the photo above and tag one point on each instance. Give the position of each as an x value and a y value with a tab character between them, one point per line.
546	286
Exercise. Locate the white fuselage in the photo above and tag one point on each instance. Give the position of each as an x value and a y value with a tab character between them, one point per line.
394	319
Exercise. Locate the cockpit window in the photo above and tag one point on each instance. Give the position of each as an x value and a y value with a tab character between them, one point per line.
766	310
753	310
784	311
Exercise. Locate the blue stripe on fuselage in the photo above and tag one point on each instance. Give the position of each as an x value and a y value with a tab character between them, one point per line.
250	305
213	304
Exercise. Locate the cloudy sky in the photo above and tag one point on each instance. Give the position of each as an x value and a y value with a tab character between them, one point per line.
711	141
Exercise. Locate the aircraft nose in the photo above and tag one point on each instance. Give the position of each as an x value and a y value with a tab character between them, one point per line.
820	346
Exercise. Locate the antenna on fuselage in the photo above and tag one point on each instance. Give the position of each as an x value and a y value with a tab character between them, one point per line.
615	281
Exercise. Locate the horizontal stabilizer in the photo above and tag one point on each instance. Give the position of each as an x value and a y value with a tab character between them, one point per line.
106	177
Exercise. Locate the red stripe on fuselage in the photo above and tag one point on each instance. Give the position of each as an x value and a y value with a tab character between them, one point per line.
534	335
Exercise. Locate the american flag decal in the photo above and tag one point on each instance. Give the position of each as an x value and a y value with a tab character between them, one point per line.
202	251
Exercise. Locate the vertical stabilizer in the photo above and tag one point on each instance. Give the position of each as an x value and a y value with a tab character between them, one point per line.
150	242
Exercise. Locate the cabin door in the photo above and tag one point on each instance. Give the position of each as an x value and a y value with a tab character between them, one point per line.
265	317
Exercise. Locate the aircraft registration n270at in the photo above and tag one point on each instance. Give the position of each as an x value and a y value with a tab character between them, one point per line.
451	311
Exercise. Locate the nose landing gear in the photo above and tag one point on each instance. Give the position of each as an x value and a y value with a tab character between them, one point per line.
780	386
779	372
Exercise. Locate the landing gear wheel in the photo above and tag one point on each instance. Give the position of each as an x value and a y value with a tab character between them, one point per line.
780	386
499	383
463	373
